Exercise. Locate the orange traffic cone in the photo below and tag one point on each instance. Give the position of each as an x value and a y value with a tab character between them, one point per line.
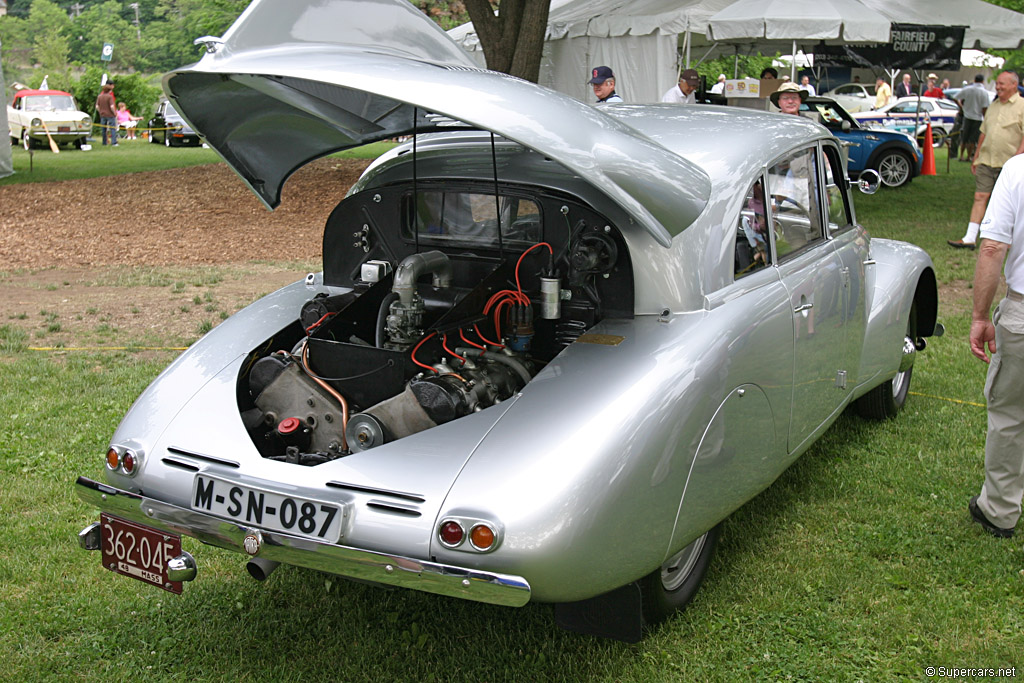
928	165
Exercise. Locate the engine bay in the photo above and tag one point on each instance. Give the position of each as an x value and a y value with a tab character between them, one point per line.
455	311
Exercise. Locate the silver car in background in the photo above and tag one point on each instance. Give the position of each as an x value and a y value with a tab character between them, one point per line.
552	347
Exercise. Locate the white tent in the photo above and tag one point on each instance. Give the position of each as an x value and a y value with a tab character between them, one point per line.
6	165
637	39
779	25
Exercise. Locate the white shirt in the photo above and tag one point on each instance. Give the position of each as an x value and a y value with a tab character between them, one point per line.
1004	219
718	88
809	88
676	96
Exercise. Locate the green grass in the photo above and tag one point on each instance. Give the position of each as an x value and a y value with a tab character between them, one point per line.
128	157
859	563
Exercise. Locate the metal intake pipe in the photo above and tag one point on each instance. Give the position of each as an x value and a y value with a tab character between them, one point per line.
410	269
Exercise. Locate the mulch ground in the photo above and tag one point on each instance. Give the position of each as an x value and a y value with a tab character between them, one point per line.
198	215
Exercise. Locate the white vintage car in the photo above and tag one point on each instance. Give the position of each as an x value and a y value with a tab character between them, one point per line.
552	348
34	114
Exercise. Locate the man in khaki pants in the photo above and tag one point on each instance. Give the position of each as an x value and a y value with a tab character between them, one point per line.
998	507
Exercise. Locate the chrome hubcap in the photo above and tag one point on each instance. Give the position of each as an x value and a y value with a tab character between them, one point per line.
680	566
906	363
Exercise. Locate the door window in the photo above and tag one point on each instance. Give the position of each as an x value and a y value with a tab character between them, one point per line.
795	207
753	245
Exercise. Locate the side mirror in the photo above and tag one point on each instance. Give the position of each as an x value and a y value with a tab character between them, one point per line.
869	181
845	126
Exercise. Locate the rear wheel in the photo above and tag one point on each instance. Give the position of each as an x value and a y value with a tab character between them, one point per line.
671	587
894	168
887	399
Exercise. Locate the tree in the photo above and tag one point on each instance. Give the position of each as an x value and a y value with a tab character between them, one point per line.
512	35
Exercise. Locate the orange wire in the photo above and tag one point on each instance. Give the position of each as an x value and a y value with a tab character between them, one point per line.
412	356
444	345
462	336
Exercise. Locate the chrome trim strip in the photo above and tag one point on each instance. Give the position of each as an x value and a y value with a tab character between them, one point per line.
394	570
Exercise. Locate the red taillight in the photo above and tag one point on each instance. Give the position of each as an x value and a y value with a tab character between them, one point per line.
482	537
451	533
113	459
128	462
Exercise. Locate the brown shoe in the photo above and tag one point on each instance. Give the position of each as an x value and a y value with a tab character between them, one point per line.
960	244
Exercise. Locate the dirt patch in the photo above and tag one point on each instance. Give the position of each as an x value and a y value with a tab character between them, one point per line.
154	258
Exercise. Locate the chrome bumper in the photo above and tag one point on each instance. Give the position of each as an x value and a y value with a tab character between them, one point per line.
403	572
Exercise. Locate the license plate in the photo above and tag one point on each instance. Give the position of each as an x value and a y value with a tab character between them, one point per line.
267	509
63	129
138	551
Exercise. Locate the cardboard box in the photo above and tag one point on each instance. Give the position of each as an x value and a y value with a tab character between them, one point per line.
742	87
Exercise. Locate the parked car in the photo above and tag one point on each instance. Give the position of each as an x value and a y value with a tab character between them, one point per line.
552	347
854	97
32	114
912	115
894	155
168	126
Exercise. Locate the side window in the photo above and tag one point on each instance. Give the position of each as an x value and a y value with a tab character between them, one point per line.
753	250
835	197
793	193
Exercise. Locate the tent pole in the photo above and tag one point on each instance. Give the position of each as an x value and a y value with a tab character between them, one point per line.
792	65
686	42
736	64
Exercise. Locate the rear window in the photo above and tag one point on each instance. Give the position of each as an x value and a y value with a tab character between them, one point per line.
443	217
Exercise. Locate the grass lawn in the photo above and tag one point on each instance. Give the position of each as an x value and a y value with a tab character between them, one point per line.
130	156
859	563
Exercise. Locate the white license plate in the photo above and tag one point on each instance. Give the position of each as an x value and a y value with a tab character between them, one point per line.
267	509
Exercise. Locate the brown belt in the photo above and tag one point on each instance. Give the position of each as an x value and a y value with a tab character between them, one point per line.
1014	296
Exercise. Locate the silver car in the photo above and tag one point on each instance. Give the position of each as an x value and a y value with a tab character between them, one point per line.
552	347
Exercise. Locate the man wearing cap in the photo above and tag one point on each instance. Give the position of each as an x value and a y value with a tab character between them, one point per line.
686	91
603	81
997	508
933	90
788	98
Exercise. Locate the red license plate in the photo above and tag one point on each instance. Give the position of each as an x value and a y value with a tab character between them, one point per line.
138	551
63	129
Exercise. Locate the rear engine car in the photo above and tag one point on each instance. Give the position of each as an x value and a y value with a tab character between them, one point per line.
33	115
552	346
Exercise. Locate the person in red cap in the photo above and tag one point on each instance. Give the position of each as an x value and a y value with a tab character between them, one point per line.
686	91
603	81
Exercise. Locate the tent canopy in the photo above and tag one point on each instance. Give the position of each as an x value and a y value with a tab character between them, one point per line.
846	20
639	39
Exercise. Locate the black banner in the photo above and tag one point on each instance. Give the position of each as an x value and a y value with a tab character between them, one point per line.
910	46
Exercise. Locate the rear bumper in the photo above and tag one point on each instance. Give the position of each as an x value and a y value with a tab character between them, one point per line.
394	570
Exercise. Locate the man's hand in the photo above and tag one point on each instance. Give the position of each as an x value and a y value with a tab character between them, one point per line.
983	333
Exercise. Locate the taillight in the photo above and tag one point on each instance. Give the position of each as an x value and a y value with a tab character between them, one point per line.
451	533
482	537
128	462
123	460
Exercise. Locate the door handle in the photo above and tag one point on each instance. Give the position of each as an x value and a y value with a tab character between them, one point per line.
803	307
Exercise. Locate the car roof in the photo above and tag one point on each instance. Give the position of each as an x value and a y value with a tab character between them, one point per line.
28	93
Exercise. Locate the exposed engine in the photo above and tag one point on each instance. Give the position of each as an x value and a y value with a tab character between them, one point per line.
425	340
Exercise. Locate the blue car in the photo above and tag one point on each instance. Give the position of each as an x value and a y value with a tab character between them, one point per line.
895	155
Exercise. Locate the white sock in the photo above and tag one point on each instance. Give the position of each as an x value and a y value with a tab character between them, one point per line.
972	233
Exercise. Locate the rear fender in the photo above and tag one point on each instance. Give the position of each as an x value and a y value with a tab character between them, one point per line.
900	276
